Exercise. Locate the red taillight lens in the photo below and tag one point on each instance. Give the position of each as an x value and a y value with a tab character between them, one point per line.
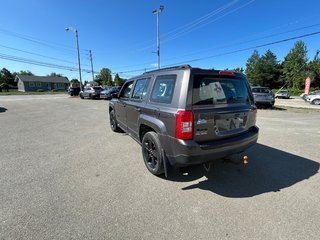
184	125
226	72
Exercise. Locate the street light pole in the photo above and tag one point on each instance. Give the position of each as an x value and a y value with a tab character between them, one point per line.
157	12
78	50
90	52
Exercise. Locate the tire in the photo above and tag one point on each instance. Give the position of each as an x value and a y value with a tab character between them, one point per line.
316	102
113	122
81	96
151	152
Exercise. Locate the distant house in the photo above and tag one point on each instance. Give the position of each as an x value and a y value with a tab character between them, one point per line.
28	83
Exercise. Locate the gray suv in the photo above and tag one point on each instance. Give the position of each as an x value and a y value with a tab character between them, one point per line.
184	116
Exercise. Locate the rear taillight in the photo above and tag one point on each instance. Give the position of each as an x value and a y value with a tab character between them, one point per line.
184	125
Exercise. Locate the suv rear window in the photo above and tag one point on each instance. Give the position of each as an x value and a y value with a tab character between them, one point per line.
97	88
214	90
261	90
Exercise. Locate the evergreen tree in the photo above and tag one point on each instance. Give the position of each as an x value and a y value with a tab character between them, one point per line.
268	72
250	66
294	66
314	71
118	81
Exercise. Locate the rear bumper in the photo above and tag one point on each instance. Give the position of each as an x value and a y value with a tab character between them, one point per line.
264	101
184	153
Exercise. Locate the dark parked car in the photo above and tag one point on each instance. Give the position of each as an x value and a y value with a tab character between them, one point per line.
263	96
74	91
91	92
107	93
184	116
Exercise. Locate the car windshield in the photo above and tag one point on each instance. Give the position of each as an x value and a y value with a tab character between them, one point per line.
208	90
97	88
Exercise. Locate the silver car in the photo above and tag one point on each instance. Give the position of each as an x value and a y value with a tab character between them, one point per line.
283	94
263	96
91	92
314	98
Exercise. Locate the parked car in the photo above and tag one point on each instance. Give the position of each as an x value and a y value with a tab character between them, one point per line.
74	91
283	94
91	92
107	93
305	96
104	91
263	96
314	98
184	116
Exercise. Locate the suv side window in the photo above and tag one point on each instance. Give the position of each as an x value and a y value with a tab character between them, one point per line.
163	89
140	89
126	91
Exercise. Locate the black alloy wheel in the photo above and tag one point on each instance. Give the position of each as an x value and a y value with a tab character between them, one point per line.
113	122
151	151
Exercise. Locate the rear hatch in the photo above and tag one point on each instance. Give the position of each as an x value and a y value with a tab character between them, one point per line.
222	106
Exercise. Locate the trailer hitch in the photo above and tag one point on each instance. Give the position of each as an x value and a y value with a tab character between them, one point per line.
244	161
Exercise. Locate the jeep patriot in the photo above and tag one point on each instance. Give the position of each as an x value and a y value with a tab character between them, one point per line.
184	116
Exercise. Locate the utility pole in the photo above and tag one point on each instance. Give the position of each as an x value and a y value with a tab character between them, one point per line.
90	52
157	12
78	50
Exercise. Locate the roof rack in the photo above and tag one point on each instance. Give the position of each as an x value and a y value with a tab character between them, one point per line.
170	68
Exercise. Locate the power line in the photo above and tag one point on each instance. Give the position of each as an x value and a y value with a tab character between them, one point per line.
39	63
195	27
244	42
230	52
56	46
250	48
173	34
36	54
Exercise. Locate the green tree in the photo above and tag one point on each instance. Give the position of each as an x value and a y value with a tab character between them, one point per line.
251	65
118	81
53	74
314	70
104	78
75	82
6	77
239	69
268	70
295	65
23	72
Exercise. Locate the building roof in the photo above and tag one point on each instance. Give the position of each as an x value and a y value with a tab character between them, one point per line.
27	78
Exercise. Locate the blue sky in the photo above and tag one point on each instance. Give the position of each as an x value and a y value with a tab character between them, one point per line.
122	34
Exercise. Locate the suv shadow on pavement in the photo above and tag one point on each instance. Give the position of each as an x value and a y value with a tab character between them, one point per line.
3	109
269	170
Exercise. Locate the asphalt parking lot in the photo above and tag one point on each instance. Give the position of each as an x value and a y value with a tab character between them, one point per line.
65	175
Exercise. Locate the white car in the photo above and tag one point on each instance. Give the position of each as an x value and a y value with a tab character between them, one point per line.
314	99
